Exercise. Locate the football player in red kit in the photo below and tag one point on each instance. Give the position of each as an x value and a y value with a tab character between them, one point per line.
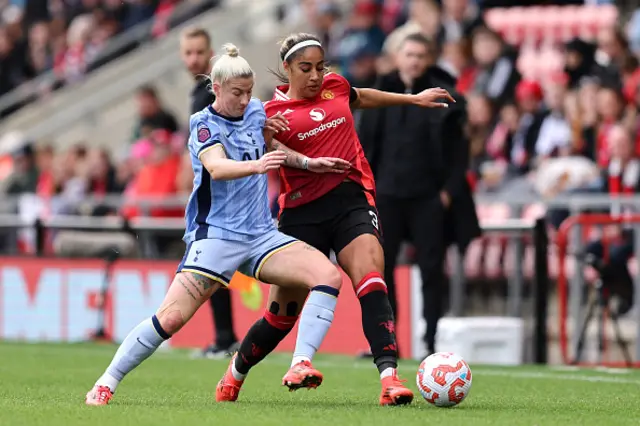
334	211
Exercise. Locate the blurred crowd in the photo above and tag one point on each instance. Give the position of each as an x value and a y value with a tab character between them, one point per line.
568	124
153	166
570	128
70	37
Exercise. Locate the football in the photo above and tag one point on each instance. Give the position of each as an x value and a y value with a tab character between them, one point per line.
444	379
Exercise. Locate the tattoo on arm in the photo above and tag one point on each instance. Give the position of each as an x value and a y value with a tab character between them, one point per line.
308	247
294	159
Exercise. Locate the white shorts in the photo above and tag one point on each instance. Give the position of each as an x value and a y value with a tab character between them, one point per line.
220	259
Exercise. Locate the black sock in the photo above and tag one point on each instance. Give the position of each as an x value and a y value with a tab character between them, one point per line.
378	321
222	319
262	338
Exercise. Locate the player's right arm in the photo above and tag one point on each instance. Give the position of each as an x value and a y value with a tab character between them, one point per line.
222	168
205	142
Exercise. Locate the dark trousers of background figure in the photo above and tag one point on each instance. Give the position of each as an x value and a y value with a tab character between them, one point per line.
222	318
421	221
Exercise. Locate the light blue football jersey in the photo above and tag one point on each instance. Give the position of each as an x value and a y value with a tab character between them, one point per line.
236	210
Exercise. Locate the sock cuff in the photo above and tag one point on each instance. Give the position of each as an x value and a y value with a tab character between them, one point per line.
159	329
371	282
327	290
280	322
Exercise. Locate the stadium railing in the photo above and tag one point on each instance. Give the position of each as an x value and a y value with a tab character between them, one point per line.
510	237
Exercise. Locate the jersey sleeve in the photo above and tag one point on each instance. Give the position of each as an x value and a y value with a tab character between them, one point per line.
204	136
260	115
344	85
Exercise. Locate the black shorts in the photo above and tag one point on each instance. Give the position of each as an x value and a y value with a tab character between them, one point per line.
332	221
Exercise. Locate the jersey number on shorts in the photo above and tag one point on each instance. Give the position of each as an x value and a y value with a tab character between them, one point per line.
247	155
374	220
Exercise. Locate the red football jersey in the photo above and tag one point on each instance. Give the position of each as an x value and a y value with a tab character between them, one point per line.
320	127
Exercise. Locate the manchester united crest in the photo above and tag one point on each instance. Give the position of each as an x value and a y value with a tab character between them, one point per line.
327	94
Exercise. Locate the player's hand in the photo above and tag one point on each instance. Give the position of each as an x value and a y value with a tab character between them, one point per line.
432	98
328	165
274	125
270	161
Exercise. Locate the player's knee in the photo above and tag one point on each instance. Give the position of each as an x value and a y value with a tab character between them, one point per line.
171	318
331	277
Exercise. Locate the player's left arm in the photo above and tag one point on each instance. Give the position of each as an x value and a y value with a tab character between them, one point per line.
294	158
374	98
316	165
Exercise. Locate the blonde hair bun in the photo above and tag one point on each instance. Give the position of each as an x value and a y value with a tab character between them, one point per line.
231	50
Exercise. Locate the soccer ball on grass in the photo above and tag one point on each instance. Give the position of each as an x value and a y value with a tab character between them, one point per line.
444	379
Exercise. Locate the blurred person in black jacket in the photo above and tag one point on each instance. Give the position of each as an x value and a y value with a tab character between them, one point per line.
196	53
419	158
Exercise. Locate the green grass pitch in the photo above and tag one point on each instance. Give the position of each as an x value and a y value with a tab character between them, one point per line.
45	384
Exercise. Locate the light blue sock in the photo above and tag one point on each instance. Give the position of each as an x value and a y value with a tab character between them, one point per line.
139	344
315	320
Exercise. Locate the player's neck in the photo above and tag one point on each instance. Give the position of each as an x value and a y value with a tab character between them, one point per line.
222	111
294	95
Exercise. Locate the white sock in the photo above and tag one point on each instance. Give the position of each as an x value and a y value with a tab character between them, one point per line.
298	359
139	344
109	381
236	374
387	372
315	320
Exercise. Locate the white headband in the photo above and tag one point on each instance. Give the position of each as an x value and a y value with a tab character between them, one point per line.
301	45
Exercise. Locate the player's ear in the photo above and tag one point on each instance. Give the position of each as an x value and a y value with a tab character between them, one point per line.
285	65
216	89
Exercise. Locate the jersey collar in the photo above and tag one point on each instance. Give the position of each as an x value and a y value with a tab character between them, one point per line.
280	93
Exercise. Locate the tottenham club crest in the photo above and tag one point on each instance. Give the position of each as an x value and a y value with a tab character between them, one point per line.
204	134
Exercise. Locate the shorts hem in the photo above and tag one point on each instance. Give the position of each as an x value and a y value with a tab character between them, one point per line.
267	256
206	273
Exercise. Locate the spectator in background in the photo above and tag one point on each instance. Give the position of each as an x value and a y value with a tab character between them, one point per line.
152	115
196	53
162	16
610	55
329	28
496	73
362	33
424	18
480	112
419	158
139	12
555	137
39	55
621	177
580	63
459	19
24	178
11	67
102	174
71	65
157	178
529	97
609	107
45	162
